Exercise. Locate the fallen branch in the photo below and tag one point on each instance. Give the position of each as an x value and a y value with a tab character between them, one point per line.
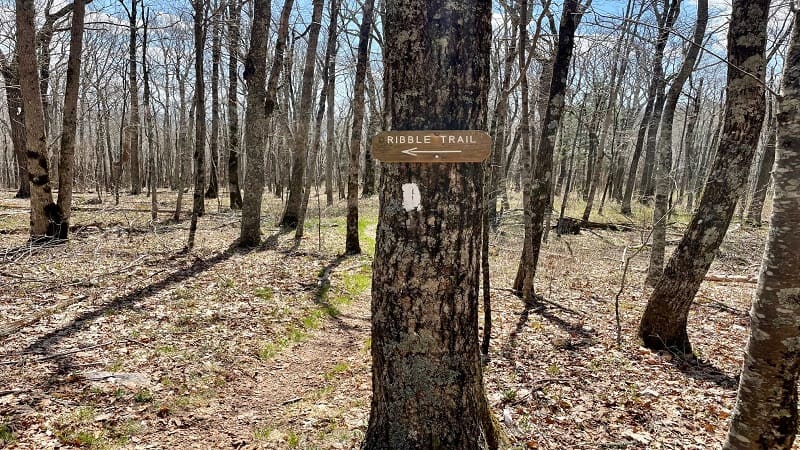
732	278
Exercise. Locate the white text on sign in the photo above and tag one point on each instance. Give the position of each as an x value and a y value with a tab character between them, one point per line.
427	139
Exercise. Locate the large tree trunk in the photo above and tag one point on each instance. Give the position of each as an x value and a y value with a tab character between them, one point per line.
235	11
70	117
330	138
46	220
664	167
300	151
766	408
663	324
427	377
261	98
352	246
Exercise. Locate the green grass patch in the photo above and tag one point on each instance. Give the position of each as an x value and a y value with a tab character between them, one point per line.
367	239
265	293
293	439
143	396
6	435
339	368
269	350
263	433
358	282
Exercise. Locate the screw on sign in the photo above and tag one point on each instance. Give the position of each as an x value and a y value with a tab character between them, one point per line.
451	146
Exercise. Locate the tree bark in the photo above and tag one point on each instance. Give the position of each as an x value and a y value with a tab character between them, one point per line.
765	416
664	167
198	203
330	132
261	99
70	116
46	220
663	324
427	376
352	246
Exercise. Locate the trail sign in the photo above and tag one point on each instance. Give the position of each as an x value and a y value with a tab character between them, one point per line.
449	146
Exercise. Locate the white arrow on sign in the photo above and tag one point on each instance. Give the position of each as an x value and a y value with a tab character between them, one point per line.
413	151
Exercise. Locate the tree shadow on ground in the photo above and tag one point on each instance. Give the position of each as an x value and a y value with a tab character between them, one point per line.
703	370
322	299
542	307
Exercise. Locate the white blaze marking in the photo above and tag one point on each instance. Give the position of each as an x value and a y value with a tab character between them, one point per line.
411	196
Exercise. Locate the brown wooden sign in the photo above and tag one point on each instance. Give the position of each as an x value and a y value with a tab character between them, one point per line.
449	146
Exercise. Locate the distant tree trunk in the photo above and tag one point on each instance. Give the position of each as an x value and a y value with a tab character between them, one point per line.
16	115
499	118
427	376
618	72
152	146
541	191
330	136
261	98
663	324
198	204
234	13
182	144
652	113
300	151
330	53
70	116
46	220
524	283
690	153
765	416
664	167
132	139
765	164
352	246
216	52
368	190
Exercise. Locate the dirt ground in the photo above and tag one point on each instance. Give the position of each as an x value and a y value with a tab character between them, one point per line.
118	339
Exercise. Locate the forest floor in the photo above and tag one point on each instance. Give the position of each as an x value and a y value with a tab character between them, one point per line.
118	339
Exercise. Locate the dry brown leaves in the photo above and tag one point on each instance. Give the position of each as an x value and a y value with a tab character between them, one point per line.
137	345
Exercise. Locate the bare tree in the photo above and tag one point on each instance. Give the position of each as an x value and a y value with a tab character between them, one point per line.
352	246
46	219
234	13
70	117
664	167
300	150
261	98
663	325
